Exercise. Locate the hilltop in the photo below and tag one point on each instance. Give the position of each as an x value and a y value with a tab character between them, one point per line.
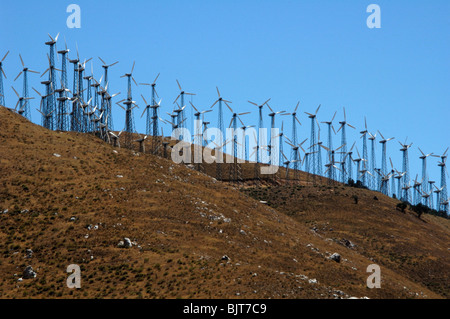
70	198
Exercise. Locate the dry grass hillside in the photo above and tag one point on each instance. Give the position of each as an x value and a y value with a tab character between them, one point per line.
71	198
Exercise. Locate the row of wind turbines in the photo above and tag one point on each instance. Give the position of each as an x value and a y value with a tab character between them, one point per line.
87	107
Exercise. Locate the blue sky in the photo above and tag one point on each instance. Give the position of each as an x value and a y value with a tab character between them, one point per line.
318	52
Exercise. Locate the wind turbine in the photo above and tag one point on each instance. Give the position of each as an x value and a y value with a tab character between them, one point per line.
259	132
294	154
331	165
198	137
129	121
330	137
272	127
425	174
417	192
443	195
373	163
106	67
51	99
295	148
405	168
244	132
181	97
313	142
21	102
152	123
220	124
385	182
365	153
25	109
349	163
384	156
438	198
344	142
2	73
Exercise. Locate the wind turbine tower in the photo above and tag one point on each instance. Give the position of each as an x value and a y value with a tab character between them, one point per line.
2	73
443	204
330	136
129	121
259	132
314	161
383	142
344	148
220	124
25	109
373	162
365	153
152	119
405	168
180	96
108	109
294	159
51	99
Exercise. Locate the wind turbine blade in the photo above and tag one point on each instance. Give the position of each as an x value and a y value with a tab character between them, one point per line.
45	72
23	64
36	91
16	92
295	110
421	151
193	106
156	78
144	99
318	109
214	104
5	56
18	76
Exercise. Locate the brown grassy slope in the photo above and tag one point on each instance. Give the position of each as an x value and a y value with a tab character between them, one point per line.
182	222
415	248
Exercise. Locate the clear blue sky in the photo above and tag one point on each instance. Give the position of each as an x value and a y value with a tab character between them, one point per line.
318	52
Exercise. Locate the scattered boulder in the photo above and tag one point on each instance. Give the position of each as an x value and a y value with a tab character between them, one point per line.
29	273
347	243
225	257
336	257
28	253
125	243
56	155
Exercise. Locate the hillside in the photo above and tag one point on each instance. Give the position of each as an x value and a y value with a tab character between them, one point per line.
71	198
